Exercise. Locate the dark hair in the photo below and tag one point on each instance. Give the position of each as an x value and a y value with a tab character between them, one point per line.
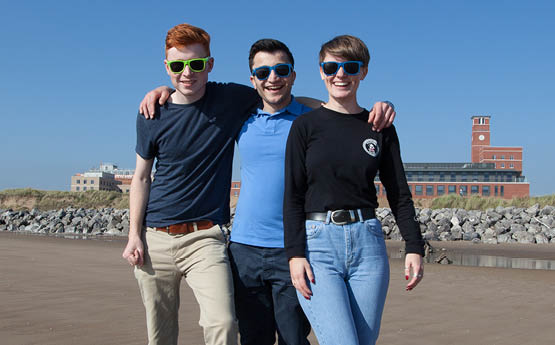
347	47
269	45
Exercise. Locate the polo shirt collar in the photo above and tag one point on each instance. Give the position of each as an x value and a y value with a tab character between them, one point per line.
294	108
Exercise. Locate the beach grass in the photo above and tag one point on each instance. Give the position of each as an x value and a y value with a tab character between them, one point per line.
27	198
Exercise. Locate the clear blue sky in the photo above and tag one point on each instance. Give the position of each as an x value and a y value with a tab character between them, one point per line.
72	73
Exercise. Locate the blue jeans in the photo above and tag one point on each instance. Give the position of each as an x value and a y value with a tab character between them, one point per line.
351	273
265	299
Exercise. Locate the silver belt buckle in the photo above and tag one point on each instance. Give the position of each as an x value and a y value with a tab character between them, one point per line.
338	222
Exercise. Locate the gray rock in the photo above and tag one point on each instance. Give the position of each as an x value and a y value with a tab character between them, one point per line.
533	210
523	237
541	239
504	238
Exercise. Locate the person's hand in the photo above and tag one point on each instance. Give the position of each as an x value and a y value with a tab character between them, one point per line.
300	270
134	251
414	270
148	104
381	116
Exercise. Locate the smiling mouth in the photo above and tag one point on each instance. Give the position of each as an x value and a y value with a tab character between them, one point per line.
274	87
340	84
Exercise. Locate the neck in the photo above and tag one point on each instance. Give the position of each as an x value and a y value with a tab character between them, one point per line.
343	106
179	98
274	108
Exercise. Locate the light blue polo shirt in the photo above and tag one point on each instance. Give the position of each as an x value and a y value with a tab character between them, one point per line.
259	214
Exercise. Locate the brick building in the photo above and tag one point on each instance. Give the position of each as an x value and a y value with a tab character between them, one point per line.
493	171
107	177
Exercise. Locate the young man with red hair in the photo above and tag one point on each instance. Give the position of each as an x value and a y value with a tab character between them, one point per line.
175	218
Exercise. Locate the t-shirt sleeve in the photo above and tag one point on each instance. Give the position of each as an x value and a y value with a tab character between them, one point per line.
145	145
295	191
242	99
392	175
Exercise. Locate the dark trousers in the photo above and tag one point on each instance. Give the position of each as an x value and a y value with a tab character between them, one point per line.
265	299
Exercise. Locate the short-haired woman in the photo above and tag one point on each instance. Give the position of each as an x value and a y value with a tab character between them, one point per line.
334	242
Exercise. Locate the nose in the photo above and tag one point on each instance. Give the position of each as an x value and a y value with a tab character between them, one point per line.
341	72
273	76
187	71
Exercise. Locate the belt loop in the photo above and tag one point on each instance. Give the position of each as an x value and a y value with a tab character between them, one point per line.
360	217
352	215
328	217
195	226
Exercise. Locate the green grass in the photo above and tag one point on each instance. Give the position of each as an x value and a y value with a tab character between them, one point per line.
20	199
481	203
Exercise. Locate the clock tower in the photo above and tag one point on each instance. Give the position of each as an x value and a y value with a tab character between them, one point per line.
480	136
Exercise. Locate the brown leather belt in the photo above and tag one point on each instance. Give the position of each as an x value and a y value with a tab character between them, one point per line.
186	228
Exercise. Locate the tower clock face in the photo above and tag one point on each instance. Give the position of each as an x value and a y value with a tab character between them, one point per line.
481	137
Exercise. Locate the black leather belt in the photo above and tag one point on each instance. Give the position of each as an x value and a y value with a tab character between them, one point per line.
342	217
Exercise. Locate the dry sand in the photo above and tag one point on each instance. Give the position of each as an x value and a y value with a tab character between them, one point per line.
62	291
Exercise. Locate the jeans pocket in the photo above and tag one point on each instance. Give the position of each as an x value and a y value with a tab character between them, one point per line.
313	228
374	226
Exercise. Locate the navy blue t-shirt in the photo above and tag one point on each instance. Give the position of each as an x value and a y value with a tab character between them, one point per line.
193	146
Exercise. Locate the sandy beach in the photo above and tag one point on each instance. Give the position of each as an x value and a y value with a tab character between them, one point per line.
66	291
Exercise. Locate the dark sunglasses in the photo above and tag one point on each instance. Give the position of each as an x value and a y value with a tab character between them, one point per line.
349	67
282	70
196	65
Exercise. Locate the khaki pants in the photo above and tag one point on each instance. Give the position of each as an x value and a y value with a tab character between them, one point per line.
201	258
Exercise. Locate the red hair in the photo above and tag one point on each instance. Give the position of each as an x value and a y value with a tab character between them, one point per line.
184	34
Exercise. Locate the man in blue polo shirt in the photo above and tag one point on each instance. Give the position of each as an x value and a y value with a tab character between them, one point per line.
265	299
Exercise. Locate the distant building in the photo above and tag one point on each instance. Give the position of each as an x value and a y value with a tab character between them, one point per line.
107	177
94	181
493	171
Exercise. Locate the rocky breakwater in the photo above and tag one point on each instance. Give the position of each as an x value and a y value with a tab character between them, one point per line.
499	225
106	221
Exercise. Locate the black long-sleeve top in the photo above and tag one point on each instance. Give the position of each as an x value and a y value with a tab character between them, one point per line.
331	160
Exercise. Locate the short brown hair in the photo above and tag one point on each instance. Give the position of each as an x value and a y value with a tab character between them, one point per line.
348	47
184	34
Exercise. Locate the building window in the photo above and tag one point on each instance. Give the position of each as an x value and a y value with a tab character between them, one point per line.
429	190
84	188
451	189
377	186
475	178
463	177
235	185
78	181
511	157
502	156
493	157
481	121
512	166
77	188
430	175
486	177
495	190
92	181
442	176
420	177
453	177
84	181
235	193
502	191
418	189
409	176
474	189
502	165
485	190
440	190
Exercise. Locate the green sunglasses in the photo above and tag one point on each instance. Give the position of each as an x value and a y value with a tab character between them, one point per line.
196	65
